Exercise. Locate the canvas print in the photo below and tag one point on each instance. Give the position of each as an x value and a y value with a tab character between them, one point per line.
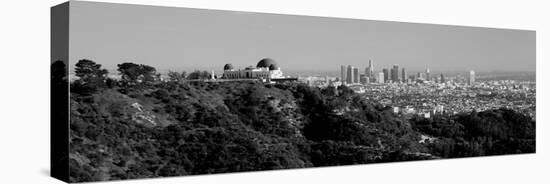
147	91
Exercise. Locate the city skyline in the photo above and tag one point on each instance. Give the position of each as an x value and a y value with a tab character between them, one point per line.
189	39
394	74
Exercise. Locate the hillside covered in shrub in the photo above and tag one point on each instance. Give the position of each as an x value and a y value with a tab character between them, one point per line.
141	127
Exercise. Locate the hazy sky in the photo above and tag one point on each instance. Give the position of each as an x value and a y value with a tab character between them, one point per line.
188	39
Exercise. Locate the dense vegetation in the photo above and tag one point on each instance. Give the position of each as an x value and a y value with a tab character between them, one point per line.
139	127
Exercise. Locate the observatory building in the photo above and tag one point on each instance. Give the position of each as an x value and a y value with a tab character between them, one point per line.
265	69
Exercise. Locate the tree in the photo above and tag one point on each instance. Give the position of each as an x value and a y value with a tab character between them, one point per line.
205	75
90	72
345	91
183	74
330	91
194	75
176	76
133	74
198	75
90	76
148	73
129	72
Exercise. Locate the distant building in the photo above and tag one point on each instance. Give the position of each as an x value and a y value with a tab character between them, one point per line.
380	77
364	79
371	68
403	75
424	114
390	75
335	84
395	110
442	78
343	73
438	109
265	69
428	74
369	71
386	74
395	73
355	75
349	75
472	78
309	81
420	76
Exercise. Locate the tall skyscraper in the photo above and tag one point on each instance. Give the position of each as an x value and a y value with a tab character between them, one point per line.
349	75
386	74
355	75
395	73
472	78
343	73
371	69
390	77
380	77
442	78
403	75
428	74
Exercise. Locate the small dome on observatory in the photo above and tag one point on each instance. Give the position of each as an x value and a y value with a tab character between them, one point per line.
228	66
266	63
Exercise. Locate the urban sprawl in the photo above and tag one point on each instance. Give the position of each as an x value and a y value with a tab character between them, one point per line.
427	94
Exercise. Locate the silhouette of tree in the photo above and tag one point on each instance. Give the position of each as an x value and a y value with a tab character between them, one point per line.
176	76
133	74
345	91
198	75
90	72
90	76
148	73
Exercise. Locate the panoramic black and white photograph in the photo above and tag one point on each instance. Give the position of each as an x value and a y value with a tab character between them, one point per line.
163	91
